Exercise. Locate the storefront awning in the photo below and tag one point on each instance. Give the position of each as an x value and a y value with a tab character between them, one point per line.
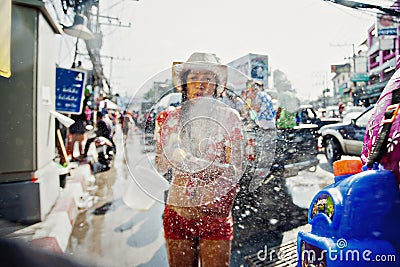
108	104
66	121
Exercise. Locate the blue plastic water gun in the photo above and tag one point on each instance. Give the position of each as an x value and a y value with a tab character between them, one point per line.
355	221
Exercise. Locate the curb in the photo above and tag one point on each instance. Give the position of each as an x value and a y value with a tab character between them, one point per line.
54	231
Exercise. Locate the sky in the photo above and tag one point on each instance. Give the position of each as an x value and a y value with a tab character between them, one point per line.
301	37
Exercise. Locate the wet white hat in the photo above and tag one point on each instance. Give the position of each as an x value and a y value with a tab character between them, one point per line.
202	62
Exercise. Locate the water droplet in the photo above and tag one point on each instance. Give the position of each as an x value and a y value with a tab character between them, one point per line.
254	209
273	221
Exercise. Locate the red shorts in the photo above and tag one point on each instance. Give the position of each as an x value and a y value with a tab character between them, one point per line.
208	227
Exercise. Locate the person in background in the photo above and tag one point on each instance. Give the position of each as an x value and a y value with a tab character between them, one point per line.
127	122
135	117
77	130
229	98
88	114
341	109
261	104
102	129
110	119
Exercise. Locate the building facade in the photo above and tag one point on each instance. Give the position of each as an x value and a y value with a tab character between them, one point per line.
383	52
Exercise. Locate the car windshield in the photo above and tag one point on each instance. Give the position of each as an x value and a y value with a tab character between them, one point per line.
351	115
362	121
166	133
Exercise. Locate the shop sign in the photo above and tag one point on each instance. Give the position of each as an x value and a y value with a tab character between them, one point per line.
387	25
359	77
70	84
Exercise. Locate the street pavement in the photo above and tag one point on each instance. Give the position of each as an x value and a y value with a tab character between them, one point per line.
98	220
116	232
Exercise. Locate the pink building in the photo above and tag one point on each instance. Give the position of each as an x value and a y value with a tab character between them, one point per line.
383	51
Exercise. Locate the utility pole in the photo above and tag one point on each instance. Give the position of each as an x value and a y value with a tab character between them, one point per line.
345	45
111	65
94	49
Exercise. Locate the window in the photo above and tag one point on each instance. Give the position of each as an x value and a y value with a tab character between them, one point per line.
363	120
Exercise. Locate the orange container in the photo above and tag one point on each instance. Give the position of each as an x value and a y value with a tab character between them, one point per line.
346	167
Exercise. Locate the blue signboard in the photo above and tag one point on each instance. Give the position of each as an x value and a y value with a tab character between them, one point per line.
69	90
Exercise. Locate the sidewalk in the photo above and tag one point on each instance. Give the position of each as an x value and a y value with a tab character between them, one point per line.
53	232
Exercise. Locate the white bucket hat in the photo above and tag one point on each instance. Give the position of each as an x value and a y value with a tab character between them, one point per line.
200	61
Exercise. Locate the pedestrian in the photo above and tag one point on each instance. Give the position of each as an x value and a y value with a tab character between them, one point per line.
102	129
77	131
88	114
127	122
262	111
341	109
204	162
261	103
110	120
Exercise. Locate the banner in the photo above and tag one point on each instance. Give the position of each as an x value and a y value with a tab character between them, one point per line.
259	68
5	37
340	68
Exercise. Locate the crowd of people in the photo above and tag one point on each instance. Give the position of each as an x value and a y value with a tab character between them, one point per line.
104	122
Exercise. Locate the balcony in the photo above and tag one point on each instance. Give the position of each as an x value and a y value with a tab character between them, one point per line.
374	48
390	63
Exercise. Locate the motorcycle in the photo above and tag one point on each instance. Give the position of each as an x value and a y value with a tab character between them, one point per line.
104	152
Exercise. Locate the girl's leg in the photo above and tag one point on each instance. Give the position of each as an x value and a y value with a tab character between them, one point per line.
182	252
215	253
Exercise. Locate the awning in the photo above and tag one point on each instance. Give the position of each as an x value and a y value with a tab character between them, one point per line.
66	121
376	87
108	104
367	96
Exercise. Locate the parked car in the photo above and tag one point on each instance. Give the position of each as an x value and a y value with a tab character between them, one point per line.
332	112
351	112
308	115
345	138
171	99
350	116
351	109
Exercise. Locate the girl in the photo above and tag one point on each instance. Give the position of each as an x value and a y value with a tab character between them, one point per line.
201	145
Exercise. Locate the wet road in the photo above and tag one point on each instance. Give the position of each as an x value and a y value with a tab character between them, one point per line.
119	235
112	233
